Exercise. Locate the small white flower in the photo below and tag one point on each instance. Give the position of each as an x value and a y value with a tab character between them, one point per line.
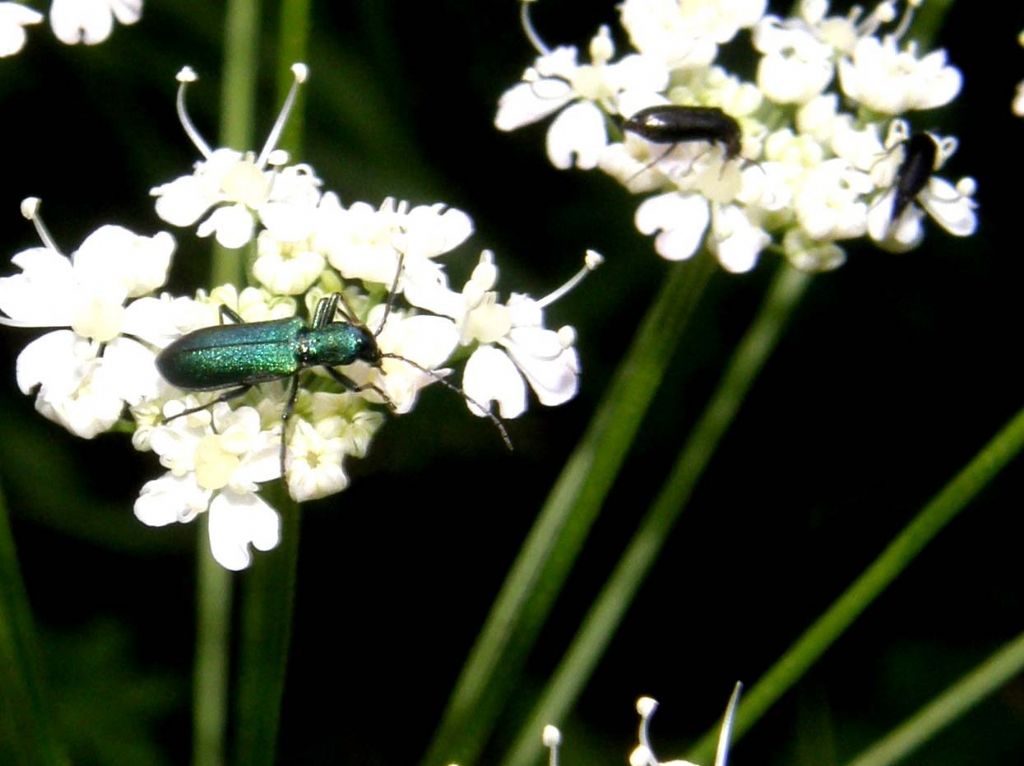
686	34
238	186
796	65
327	427
893	81
557	83
514	345
681	220
286	267
215	468
91	21
85	375
14	17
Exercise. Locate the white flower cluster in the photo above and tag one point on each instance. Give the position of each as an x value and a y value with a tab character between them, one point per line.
73	21
218	446
740	167
643	753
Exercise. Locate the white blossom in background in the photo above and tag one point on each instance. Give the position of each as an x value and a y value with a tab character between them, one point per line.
91	21
811	168
96	368
72	21
579	93
643	753
14	17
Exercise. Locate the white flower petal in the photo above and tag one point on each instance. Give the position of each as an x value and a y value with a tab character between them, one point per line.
170	500
953	211
577	134
13	18
236	521
490	375
232	225
528	102
551	369
41	295
681	219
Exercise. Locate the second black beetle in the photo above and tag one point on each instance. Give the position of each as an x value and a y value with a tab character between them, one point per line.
676	124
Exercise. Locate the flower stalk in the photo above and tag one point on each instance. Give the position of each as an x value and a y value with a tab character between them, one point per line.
929	521
554	542
607	611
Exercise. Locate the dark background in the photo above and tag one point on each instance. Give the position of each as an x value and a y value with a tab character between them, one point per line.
895	371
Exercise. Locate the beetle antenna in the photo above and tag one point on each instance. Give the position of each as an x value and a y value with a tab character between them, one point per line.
391	295
487	413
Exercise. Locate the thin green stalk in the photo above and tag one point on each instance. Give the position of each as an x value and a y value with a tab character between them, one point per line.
955	702
26	733
607	612
210	672
213	599
942	508
547	555
237	99
269	590
267	605
293	43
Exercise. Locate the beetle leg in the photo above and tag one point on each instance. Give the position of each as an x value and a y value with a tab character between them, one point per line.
227	396
231	314
355	388
286	414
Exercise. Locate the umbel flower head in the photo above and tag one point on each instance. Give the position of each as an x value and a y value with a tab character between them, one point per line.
357	318
739	167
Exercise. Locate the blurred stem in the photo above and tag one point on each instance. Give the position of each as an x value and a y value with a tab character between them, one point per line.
607	612
952	499
269	590
26	733
210	674
947	707
238	94
267	606
213	601
547	555
293	43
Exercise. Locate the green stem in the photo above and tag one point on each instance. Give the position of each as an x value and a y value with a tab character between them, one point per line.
988	677
952	499
26	733
267	605
293	43
213	600
547	555
269	592
237	99
210	673
607	612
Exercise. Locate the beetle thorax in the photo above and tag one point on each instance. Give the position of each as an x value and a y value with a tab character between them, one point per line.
337	343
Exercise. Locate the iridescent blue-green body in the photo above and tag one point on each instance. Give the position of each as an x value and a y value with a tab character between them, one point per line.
238	356
231	355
